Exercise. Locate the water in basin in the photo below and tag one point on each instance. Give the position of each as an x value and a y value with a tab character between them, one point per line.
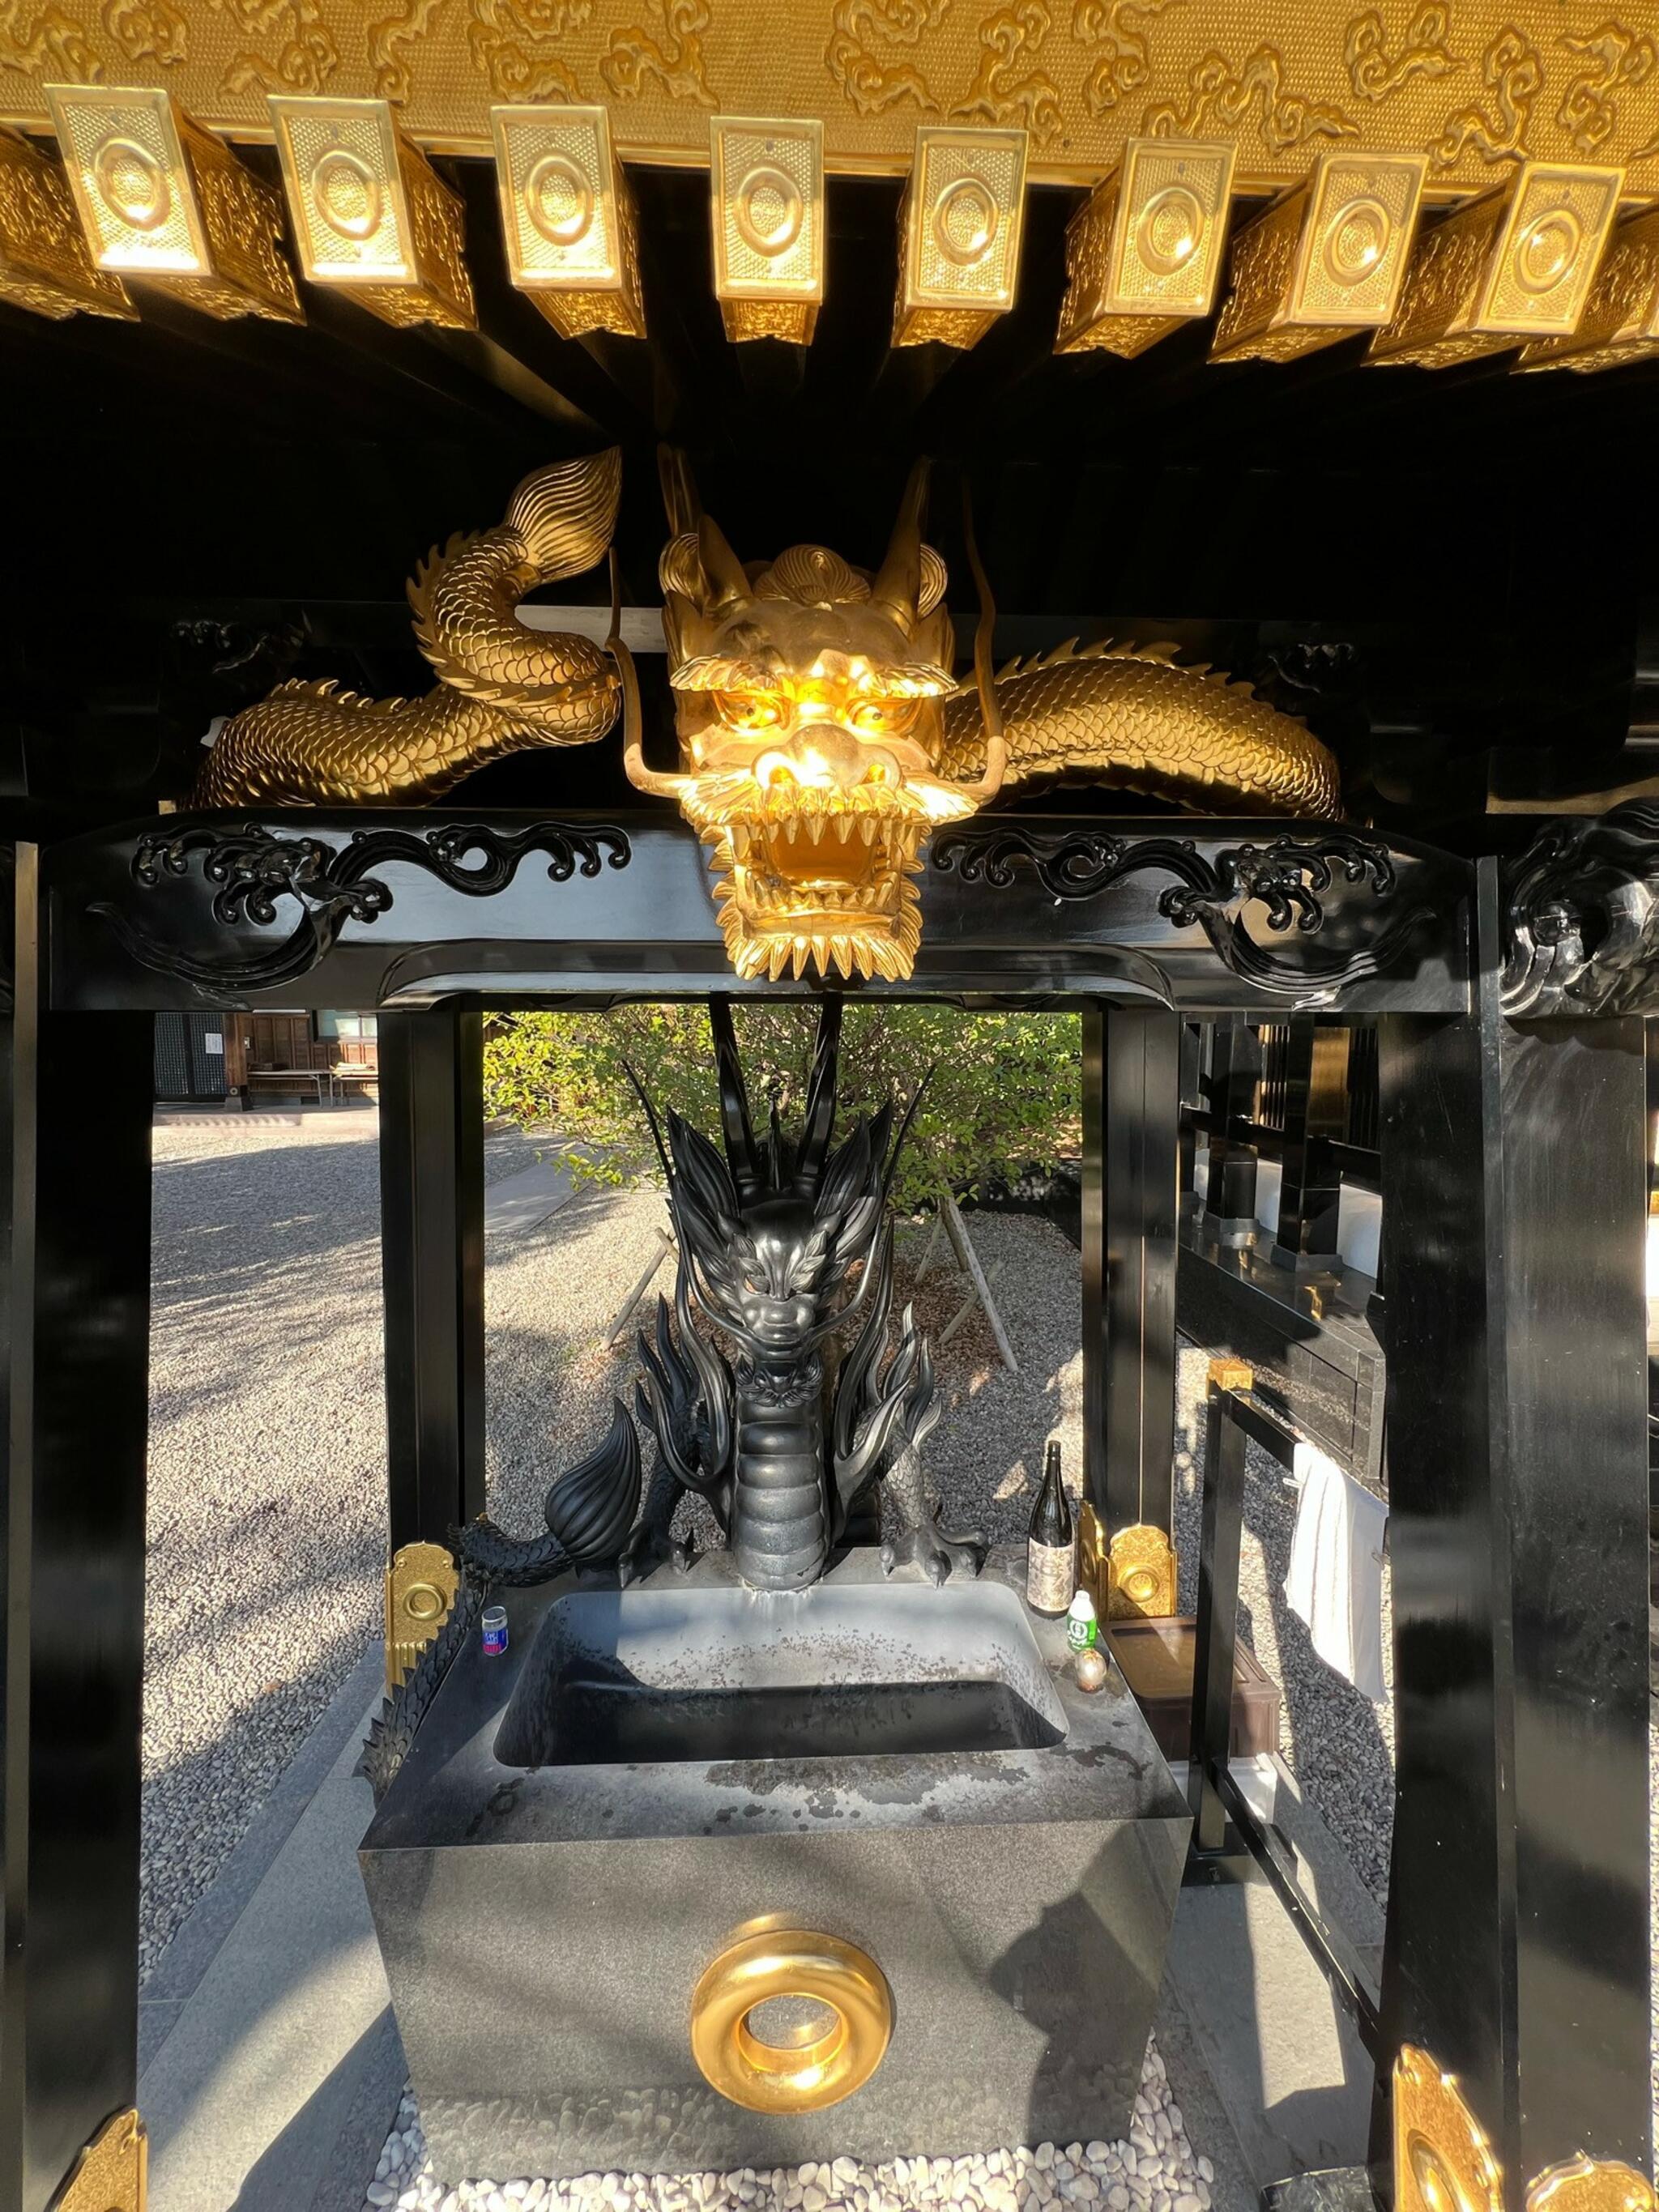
702	1674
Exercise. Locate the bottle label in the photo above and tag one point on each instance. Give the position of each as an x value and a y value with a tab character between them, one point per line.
1050	1575
1081	1629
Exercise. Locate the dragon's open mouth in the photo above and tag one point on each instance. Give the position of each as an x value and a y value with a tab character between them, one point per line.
830	889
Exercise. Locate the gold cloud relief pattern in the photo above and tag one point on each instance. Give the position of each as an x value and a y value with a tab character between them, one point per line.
1475	85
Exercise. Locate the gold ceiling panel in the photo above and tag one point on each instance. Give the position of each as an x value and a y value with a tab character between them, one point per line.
163	201
767	205
370	214
1326	262
1143	255
1620	322
569	218
1474	85
960	228
45	266
1517	264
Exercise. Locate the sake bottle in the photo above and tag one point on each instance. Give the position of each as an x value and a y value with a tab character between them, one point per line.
1051	1548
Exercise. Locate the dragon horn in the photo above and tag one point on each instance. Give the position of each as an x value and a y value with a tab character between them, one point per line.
679	490
734	1102
996	743
723	573
897	587
820	1099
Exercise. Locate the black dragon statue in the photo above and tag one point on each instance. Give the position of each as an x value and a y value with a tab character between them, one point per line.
782	1248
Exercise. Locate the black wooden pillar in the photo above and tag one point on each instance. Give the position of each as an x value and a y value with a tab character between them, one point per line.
431	1078
1518	1942
1235	1073
74	1317
1316	1107
1131	1115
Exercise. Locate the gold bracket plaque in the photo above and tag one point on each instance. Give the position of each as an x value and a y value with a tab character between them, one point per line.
370	213
421	1587
45	266
767	205
1325	262
1230	1374
960	226
1517	264
162	200
569	217
1589	2185
111	2174
1620	322
1143	256
1143	1574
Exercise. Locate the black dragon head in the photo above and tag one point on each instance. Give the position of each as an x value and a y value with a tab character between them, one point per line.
771	1233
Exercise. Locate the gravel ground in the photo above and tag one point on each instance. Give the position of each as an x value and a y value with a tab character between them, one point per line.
1155	2171
267	1469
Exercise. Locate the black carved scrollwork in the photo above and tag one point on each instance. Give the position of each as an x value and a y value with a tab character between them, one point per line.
254	869
1288	876
1582	909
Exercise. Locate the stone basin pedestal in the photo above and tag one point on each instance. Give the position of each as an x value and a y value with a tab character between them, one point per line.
585	1825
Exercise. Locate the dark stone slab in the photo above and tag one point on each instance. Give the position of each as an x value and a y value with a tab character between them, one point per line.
543	1926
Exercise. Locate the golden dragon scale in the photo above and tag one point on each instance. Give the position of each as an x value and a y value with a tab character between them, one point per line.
502	687
1137	717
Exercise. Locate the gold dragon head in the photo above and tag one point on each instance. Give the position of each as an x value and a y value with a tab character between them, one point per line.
809	702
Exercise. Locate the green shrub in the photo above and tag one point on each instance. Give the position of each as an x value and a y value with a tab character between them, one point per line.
1004	1093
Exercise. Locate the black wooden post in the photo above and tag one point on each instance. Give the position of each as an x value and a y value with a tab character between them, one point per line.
431	1078
1517	1950
1235	1073
1131	1116
1316	1107
74	1294
1216	1638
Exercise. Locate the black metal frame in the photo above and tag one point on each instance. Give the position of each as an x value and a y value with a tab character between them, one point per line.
1521	1650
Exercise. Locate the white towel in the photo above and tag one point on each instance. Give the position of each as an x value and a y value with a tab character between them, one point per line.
1335	1578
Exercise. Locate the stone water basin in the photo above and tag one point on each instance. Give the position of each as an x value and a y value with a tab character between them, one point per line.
583	1825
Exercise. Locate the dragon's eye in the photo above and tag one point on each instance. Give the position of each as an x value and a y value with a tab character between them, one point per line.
883	718
749	711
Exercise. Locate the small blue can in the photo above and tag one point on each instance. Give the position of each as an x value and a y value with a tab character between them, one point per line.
494	1629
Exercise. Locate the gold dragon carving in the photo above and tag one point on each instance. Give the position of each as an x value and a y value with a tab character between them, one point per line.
502	687
823	732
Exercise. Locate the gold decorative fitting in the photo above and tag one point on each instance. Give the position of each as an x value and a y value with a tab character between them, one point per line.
1325	262
421	1585
45	266
571	226
111	2174
1143	1574
835	2013
1441	2161
1517	264
1591	2185
160	199
1620	321
766	205
960	226
1143	256
1093	1559
1226	1374
370	213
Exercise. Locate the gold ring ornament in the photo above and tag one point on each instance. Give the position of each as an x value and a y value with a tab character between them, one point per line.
842	2047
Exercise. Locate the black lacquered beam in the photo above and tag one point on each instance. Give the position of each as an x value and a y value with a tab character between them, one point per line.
372	910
